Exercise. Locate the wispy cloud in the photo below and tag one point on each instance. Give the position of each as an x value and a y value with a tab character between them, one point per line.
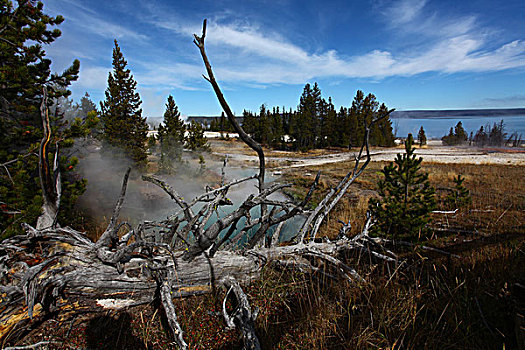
109	30
255	55
412	37
264	59
169	75
91	21
404	11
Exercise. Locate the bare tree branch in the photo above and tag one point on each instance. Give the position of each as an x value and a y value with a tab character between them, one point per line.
110	234
169	308
242	316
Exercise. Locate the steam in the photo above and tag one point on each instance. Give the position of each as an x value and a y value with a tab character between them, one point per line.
145	201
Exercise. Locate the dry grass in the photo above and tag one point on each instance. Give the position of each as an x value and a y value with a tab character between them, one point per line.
498	195
433	302
429	302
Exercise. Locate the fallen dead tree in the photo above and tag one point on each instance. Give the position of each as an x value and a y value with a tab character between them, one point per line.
57	271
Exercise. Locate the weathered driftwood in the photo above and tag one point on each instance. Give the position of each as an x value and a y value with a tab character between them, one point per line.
54	269
59	270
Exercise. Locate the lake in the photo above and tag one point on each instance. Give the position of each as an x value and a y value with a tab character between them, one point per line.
437	127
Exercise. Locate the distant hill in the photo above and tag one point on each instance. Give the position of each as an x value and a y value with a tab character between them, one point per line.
448	113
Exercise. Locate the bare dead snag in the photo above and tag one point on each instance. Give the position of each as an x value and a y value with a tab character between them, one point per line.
69	278
199	42
50	181
169	308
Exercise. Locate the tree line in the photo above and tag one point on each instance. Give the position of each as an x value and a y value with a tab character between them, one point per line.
488	135
317	124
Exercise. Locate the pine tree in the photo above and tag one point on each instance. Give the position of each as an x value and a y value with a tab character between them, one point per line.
85	106
88	116
276	127
460	134
196	139
384	126
171	137
304	129
249	123
25	69
406	197
332	127
460	196
497	134
24	72
422	137
449	139
456	135
481	138
364	110
122	119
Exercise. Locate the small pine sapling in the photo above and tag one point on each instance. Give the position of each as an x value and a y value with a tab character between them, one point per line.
405	197
460	195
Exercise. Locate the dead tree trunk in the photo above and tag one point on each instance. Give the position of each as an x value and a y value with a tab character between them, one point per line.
53	269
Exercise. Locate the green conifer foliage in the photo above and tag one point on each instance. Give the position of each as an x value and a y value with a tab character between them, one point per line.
460	196
276	137
249	123
305	121
196	139
460	134
24	72
456	135
24	68
406	197
332	128
316	123
86	106
364	110
124	126
422	137
171	137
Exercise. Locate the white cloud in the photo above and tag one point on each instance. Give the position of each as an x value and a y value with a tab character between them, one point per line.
404	11
90	21
169	75
253	56
248	55
266	59
108	30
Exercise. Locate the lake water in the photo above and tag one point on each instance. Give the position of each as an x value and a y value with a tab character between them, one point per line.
437	127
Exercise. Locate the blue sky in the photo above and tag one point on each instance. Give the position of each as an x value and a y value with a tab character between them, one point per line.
412	54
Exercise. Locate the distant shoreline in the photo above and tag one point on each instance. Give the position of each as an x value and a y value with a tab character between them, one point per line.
454	113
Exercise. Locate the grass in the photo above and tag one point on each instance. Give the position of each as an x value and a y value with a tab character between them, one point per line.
429	302
498	195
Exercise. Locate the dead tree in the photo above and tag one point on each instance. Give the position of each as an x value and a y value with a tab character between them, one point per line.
58	269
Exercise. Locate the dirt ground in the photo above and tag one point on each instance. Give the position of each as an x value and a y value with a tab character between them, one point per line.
434	152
